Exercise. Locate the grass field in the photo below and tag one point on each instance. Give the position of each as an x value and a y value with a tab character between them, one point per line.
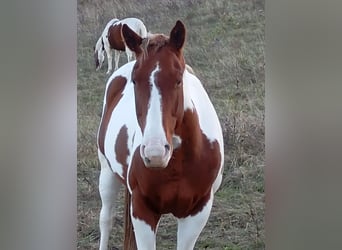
225	46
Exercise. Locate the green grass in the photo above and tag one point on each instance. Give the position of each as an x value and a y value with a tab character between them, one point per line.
225	47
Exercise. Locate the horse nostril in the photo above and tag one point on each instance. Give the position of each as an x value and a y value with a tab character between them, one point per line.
167	147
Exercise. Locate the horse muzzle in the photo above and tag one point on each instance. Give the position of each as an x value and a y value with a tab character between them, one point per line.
155	155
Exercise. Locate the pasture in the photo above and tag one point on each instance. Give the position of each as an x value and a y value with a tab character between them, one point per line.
225	47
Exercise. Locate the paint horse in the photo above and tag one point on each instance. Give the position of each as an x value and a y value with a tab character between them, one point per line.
111	39
159	136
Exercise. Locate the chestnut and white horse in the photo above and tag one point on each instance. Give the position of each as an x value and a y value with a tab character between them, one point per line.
111	39
160	137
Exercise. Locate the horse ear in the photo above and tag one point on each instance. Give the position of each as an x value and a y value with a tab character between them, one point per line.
177	35
132	39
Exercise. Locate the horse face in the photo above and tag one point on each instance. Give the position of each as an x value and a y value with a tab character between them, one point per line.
157	78
159	109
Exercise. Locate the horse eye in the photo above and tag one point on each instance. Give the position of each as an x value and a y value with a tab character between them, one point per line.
179	82
133	82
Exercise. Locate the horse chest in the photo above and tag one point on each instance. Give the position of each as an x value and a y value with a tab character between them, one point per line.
180	190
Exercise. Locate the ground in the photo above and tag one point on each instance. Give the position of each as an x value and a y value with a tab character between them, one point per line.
225	47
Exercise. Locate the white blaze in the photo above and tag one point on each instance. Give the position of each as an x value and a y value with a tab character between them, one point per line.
154	123
155	149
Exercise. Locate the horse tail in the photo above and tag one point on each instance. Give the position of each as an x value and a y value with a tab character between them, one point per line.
129	241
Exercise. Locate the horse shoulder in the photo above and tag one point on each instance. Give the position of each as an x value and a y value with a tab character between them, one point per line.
197	98
200	103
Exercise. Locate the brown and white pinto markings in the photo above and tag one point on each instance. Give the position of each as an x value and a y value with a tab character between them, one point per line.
111	39
159	136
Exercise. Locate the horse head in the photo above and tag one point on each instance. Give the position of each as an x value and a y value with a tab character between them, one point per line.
158	86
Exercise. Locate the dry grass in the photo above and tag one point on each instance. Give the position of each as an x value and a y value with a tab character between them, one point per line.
225	47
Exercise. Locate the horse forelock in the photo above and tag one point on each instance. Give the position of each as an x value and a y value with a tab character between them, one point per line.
153	47
154	42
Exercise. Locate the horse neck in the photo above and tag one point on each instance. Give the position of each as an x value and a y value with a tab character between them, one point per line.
190	133
189	128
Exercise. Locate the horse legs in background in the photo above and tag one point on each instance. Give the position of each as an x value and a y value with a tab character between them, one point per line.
129	54
110	60
109	186
116	58
189	228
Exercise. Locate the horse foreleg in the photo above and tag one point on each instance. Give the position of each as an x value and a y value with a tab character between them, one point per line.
109	186
145	223
189	228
